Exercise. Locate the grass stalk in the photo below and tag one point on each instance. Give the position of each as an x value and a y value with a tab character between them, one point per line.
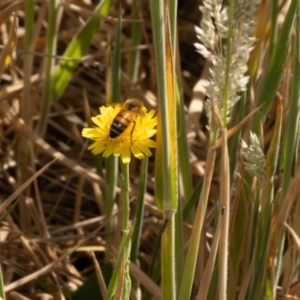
120	283
224	217
125	197
25	106
225	172
166	156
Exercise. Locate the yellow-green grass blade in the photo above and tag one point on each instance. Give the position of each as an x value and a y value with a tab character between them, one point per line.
167	141
183	149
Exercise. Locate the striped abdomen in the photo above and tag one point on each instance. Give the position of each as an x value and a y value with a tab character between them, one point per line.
120	123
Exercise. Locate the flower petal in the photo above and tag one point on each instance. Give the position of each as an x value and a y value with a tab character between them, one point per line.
150	143
143	148
137	152
97	147
97	121
109	150
125	156
135	139
92	133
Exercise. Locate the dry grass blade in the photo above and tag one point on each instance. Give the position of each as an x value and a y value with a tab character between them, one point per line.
293	234
5	57
224	217
204	286
50	267
25	131
234	129
17	296
101	282
7	11
11	198
54	232
287	204
13	90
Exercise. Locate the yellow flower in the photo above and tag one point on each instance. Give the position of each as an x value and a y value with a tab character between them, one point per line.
135	138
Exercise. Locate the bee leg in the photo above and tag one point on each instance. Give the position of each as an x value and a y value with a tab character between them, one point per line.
132	131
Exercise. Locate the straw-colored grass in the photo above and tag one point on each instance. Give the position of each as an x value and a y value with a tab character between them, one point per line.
213	213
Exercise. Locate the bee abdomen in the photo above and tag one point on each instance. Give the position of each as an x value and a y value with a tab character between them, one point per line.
119	124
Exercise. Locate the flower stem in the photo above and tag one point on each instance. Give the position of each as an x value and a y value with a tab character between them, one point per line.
125	196
125	228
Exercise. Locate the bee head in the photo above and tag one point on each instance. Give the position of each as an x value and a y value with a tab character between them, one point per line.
133	105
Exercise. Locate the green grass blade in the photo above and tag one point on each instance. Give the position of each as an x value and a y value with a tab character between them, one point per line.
117	276
292	135
112	161
183	149
192	201
163	152
2	293
77	48
291	145
275	70
273	30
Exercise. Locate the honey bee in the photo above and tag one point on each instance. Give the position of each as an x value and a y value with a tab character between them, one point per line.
130	110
